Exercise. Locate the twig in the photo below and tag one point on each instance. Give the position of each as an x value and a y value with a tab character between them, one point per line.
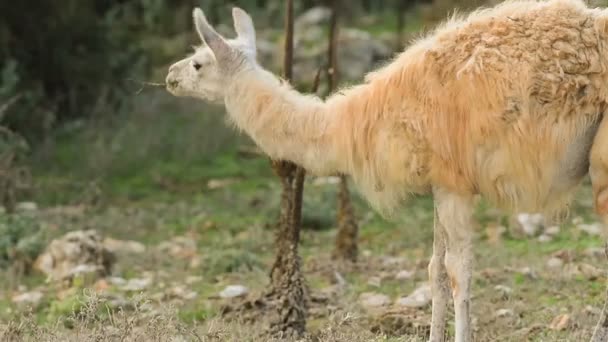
144	84
600	334
4	107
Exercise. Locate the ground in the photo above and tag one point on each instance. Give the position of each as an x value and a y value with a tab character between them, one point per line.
207	223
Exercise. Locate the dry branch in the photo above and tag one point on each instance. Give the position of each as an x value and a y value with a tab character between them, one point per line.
601	329
345	248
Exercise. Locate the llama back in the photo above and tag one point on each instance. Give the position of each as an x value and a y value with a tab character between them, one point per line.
497	97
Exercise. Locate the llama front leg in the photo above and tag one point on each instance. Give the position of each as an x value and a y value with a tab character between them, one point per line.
439	282
455	214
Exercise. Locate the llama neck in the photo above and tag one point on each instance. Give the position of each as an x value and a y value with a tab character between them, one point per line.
285	124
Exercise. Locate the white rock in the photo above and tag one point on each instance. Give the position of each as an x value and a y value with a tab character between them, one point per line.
555	262
137	284
314	16
373	300
504	290
118	281
26	206
419	298
331	180
500	313
530	223
31	298
591	229
544	238
126	246
232	291
405	275
552	230
374	281
193	279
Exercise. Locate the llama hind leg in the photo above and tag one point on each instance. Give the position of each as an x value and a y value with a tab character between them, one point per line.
455	215
439	283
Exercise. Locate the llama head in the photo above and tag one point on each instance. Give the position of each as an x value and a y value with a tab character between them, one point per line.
212	67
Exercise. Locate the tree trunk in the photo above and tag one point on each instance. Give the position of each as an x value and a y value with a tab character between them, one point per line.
346	239
288	289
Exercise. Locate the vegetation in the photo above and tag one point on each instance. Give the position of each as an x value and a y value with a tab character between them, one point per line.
94	148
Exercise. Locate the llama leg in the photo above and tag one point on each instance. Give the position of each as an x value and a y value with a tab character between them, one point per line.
455	214
439	283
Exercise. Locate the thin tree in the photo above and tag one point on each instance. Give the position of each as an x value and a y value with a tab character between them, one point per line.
288	289
345	248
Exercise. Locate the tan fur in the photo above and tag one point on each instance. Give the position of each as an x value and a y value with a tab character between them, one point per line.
504	103
486	104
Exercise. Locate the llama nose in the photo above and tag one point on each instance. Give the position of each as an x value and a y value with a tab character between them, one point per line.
171	81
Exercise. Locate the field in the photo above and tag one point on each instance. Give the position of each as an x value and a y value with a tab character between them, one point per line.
200	212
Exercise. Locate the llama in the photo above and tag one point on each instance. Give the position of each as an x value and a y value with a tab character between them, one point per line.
504	103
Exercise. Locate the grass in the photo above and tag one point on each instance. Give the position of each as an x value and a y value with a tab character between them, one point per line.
153	192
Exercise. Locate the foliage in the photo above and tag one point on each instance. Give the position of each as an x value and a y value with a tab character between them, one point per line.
21	239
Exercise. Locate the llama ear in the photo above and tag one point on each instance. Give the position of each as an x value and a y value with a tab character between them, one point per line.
209	36
243	25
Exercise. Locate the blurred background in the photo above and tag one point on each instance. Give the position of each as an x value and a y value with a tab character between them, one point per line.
157	195
71	73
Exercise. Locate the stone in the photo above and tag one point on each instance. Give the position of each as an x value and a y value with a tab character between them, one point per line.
136	284
530	223
232	291
560	322
405	275
76	253
593	229
372	300
31	298
419	298
124	246
555	262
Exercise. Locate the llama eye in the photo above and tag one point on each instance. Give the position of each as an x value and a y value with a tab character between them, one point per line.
196	65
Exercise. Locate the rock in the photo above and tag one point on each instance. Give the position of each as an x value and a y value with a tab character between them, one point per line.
220	183
593	229
505	291
232	291
419	298
320	181
193	279
555	263
358	52
181	247
528	272
136	284
31	298
181	293
75	253
500	313
371	300
405	275
117	281
124	246
530	223
552	230
26	206
595	252
374	281
560	322
591	272
544	238
315	16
